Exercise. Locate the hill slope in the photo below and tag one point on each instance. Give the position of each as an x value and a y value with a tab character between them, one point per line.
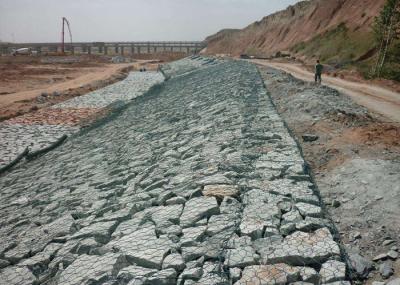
316	28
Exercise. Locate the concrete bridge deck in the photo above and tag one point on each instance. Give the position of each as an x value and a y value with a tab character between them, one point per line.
187	47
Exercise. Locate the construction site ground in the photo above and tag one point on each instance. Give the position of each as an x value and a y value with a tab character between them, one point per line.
354	154
210	151
29	83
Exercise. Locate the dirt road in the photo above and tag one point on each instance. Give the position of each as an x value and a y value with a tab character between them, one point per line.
377	99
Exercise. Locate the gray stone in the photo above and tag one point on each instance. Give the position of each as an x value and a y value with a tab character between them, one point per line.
339	283
291	217
215	180
190	273
241	257
393	254
235	273
269	274
198	208
163	277
16	275
162	215
309	137
192	252
230	205
386	269
360	265
192	235
309	274
101	232
309	210
395	281
134	272
302	248
175	201
4	263
381	256
143	247
235	241
174	261
88	269
378	283
257	216
171	230
387	242
332	271
218	223
311	224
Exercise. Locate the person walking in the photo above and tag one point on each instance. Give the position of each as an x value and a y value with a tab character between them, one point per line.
318	72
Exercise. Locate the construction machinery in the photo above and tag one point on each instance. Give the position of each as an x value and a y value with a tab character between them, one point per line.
65	21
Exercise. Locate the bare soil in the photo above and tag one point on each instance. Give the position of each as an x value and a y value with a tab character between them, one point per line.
385	101
29	83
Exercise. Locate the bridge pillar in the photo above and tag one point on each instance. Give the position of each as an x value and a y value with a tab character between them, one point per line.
132	49
148	47
105	50
122	50
89	49
116	49
187	50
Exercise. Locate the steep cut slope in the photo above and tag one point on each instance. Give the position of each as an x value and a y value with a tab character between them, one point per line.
348	21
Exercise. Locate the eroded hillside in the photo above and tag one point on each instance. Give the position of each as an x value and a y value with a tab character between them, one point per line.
331	26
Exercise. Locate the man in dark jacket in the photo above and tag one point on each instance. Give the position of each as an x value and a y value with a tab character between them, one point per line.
318	72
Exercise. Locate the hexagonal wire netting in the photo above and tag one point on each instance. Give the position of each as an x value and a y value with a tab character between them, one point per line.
196	182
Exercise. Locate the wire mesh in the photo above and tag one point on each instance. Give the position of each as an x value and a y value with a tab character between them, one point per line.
197	182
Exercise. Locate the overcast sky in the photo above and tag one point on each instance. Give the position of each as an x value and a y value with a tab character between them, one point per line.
128	20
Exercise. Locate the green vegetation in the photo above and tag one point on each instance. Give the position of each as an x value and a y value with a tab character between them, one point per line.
387	35
373	54
338	46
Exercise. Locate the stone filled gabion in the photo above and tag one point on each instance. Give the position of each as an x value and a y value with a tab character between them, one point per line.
39	130
198	182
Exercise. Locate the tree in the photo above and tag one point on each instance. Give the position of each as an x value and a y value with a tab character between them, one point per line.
386	29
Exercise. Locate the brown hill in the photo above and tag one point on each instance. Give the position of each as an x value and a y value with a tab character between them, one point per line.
316	28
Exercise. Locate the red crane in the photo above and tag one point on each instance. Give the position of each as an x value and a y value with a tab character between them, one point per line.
64	20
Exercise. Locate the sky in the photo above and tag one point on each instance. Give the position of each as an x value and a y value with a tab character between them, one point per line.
128	20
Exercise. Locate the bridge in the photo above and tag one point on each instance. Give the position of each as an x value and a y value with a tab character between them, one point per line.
113	48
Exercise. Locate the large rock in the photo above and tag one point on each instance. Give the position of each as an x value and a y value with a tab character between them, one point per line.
360	265
88	269
134	272
143	247
101	232
218	223
162	215
302	248
332	271
16	275
241	257
192	235
34	240
163	277
277	274
197	209
220	191
174	261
